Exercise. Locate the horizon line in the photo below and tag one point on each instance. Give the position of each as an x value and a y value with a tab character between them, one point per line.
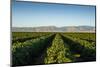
55	26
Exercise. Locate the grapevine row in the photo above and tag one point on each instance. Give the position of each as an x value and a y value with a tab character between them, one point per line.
26	52
24	36
58	52
86	49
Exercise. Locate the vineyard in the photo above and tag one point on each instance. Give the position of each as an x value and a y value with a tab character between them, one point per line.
32	48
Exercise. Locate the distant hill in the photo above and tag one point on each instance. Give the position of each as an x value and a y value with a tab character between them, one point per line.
54	29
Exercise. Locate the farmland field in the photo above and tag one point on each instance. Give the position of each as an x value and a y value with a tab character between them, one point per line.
32	48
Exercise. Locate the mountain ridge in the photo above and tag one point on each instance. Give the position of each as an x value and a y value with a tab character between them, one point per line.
54	29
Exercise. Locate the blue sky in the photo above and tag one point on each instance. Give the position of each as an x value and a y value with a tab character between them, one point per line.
31	14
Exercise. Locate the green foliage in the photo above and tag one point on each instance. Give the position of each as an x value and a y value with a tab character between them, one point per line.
57	52
24	36
65	47
25	53
86	48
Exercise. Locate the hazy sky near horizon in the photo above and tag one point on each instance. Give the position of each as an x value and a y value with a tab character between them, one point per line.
32	14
